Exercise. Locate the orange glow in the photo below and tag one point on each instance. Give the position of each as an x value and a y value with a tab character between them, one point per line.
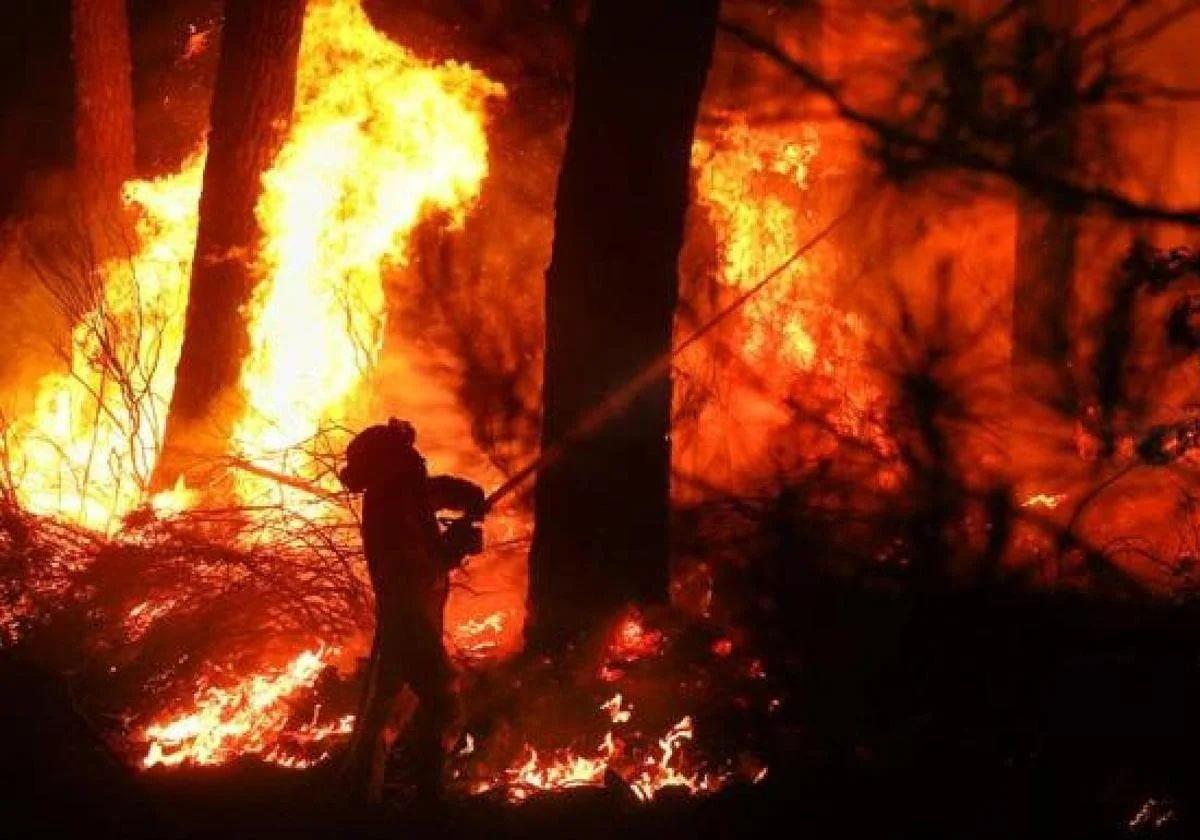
751	181
478	637
794	337
198	42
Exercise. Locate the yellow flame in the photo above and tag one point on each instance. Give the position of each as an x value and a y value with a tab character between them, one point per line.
86	450
1049	501
748	181
379	139
246	718
658	769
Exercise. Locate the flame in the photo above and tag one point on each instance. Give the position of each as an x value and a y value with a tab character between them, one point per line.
1047	501
563	770
617	711
85	451
657	770
794	337
478	637
750	181
633	640
245	718
660	772
620	759
174	501
379	139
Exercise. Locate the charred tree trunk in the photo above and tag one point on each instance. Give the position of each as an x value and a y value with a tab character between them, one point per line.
104	133
1047	227
602	508
252	104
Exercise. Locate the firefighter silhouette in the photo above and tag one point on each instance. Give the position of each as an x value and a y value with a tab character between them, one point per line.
409	555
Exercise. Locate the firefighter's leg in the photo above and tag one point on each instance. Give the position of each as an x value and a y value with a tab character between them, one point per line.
365	762
430	679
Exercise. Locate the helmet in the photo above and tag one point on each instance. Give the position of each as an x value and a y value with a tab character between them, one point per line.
378	453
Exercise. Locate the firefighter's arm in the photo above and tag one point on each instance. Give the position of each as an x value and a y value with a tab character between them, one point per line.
448	492
463	537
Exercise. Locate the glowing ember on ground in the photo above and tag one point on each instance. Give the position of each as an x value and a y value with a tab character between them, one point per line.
295	750
633	641
1154	814
1047	501
617	711
246	718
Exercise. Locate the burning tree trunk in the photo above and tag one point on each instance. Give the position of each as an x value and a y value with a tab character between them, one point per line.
602	508
1047	226
104	134
252	103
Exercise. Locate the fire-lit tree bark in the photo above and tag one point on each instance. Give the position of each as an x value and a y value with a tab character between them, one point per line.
252	103
104	133
602	508
1047	228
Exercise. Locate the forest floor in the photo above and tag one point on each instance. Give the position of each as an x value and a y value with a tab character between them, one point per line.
969	715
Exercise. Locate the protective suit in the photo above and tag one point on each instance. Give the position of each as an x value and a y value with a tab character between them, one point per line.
409	558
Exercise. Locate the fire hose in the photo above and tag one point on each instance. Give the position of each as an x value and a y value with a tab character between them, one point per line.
616	402
620	399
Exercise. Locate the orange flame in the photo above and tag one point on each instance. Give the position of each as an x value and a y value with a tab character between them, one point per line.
750	182
563	769
245	718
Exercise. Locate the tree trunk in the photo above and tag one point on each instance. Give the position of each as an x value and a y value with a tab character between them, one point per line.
104	133
1047	229
602	508
251	106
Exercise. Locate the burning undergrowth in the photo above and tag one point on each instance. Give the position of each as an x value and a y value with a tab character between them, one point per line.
162	627
658	702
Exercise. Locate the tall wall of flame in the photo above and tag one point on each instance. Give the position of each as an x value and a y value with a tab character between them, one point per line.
380	139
